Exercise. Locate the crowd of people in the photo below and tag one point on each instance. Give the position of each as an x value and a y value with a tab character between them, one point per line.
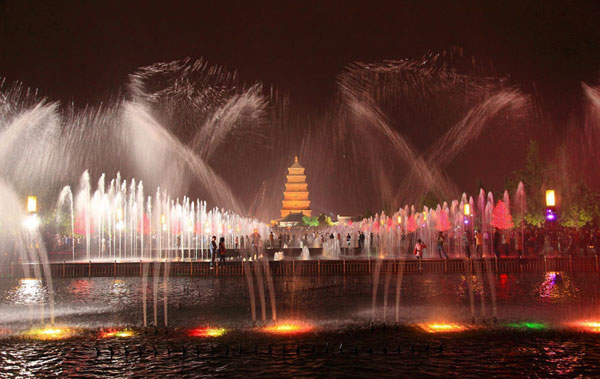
529	242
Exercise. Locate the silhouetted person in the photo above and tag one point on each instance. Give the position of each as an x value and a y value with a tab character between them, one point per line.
213	250
222	249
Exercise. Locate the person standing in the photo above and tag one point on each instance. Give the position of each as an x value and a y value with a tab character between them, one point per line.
213	250
440	245
419	249
478	244
222	249
255	242
271	240
466	240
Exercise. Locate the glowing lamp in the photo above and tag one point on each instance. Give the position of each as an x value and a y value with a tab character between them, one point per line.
163	219
467	209
206	332
117	333
49	333
399	220
424	216
31	204
466	221
527	325
550	198
119	214
587	326
288	328
550	215
442	328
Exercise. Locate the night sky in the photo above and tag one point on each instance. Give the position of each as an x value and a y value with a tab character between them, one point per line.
83	51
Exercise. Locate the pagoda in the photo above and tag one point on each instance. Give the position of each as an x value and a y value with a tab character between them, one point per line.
295	196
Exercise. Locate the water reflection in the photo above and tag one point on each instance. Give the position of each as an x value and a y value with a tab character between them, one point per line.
557	287
27	291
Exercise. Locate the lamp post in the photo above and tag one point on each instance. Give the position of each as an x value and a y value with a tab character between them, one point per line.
551	205
32	221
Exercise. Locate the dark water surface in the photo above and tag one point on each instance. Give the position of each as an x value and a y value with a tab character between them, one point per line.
534	335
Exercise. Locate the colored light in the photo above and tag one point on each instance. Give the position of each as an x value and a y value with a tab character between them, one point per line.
163	219
117	333
288	328
527	325
467	209
442	328
207	332
49	333
587	326
466	221
31	204
550	215
399	220
550	198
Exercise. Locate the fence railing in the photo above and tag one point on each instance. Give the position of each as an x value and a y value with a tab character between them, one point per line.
310	267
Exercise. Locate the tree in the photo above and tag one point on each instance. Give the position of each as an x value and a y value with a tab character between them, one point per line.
501	217
533	176
325	220
310	221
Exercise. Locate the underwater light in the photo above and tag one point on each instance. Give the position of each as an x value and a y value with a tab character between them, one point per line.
49	333
442	328
527	325
117	333
207	332
288	328
587	326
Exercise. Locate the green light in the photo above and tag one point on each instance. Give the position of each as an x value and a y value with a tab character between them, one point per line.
527	325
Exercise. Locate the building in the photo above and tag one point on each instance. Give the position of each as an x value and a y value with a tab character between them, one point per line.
295	196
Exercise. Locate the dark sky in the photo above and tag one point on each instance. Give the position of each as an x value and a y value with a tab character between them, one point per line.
84	50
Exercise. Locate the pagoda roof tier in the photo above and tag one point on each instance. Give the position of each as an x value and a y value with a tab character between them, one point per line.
296	178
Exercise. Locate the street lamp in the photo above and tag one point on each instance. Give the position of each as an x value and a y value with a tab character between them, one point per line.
32	221
550	206
467	210
32	204
550	198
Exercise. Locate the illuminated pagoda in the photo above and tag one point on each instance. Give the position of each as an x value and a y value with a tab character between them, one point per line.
295	197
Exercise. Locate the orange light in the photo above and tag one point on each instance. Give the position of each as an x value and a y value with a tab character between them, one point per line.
550	198
31	204
49	333
207	332
163	219
441	328
467	209
399	220
587	326
289	328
